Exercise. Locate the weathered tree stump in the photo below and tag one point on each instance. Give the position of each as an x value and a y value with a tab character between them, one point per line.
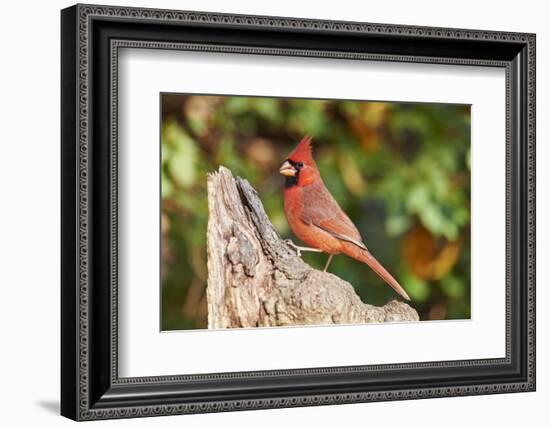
255	279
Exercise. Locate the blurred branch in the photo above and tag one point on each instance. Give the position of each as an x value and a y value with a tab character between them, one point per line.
255	279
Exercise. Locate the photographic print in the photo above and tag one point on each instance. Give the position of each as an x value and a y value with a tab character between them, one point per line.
294	212
347	215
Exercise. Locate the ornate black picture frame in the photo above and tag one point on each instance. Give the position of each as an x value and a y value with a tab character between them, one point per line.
91	36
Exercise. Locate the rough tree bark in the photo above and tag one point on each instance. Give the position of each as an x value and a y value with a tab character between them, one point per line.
256	279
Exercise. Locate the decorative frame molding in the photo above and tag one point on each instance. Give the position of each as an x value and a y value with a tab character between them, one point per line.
91	37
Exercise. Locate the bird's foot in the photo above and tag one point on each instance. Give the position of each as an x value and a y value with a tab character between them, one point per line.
300	249
290	243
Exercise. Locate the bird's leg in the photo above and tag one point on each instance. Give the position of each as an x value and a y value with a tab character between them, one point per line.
328	262
300	249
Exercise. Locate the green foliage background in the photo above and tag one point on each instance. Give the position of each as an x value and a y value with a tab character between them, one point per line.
400	170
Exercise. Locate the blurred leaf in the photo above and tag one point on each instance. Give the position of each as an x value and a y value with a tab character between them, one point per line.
397	224
350	174
184	154
166	186
237	104
308	116
418	289
269	109
453	287
197	125
427	257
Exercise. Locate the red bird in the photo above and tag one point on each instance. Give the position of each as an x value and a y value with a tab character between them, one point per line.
316	218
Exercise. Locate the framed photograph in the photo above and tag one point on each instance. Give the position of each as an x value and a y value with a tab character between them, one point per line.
263	212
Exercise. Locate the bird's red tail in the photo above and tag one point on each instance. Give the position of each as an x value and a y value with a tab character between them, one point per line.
364	256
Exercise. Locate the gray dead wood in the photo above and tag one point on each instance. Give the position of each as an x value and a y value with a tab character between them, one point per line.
256	280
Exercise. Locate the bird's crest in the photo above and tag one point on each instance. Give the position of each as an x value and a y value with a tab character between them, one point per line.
302	152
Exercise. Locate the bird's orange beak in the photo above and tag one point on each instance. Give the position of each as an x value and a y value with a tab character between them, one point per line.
287	169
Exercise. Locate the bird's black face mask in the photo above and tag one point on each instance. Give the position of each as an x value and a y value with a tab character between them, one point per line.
291	170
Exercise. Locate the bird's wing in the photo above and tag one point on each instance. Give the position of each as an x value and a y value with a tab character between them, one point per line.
321	210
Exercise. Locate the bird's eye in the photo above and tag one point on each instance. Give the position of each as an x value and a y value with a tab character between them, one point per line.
300	164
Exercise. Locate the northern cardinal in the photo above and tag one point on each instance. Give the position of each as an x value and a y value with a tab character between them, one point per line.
316	218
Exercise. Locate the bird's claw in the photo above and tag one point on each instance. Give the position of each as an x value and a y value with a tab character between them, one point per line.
290	243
